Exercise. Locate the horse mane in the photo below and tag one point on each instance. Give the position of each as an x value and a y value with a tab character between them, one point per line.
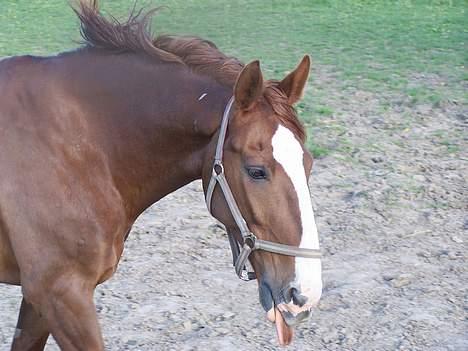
200	55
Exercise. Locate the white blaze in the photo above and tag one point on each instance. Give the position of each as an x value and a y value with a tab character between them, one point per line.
288	152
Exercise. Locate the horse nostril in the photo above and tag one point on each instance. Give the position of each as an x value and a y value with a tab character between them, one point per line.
297	298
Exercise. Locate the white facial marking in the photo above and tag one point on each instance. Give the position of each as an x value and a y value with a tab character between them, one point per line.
202	96
288	152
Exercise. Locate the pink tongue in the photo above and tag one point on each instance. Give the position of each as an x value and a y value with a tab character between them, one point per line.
284	331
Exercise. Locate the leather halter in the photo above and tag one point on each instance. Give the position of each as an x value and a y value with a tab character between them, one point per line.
250	242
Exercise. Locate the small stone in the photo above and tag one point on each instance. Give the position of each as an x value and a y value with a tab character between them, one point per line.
453	255
419	178
377	159
222	331
457	239
424	254
330	337
187	325
452	300
401	281
228	315
326	306
379	172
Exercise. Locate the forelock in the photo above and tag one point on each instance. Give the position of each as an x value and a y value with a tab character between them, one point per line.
286	113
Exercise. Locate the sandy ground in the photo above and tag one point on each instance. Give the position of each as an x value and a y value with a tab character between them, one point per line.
391	208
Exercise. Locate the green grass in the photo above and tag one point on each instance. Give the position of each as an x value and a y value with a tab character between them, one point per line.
379	46
317	150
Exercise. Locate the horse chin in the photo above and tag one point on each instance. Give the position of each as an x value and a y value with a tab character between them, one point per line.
284	332
271	315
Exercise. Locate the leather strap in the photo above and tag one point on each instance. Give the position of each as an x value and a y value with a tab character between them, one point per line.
250	242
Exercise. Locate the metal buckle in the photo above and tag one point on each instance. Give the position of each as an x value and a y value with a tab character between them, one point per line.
247	276
244	275
250	240
218	169
249	245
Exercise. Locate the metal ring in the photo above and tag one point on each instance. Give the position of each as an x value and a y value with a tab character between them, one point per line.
218	169
250	240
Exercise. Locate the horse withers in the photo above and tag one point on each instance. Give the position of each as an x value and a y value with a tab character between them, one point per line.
90	138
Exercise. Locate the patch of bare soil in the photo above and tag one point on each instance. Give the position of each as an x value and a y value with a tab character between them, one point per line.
391	208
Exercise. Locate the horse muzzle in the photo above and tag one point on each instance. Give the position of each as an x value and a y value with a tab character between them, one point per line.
294	307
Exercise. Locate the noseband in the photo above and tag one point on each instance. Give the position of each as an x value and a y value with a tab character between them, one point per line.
250	242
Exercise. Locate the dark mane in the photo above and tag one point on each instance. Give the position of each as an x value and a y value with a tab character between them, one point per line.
200	55
134	35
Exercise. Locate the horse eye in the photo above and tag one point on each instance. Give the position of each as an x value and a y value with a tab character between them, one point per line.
256	173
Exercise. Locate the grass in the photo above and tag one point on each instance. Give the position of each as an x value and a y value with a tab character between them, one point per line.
380	46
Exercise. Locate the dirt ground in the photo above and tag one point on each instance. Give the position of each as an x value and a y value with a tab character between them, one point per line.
391	209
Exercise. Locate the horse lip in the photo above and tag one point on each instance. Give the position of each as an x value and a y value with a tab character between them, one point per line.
271	315
289	318
292	319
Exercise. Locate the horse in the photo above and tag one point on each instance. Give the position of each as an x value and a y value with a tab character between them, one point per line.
92	137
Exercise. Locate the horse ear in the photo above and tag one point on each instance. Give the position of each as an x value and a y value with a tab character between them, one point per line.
294	83
249	86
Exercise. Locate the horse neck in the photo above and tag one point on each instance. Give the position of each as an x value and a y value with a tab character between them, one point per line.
156	124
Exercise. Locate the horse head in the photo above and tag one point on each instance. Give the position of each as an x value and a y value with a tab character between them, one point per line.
266	166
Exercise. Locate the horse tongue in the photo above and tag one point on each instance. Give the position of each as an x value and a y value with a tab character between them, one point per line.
284	331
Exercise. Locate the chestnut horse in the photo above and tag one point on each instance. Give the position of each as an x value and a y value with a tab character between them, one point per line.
90	138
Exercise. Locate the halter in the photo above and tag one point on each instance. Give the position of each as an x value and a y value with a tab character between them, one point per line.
250	242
